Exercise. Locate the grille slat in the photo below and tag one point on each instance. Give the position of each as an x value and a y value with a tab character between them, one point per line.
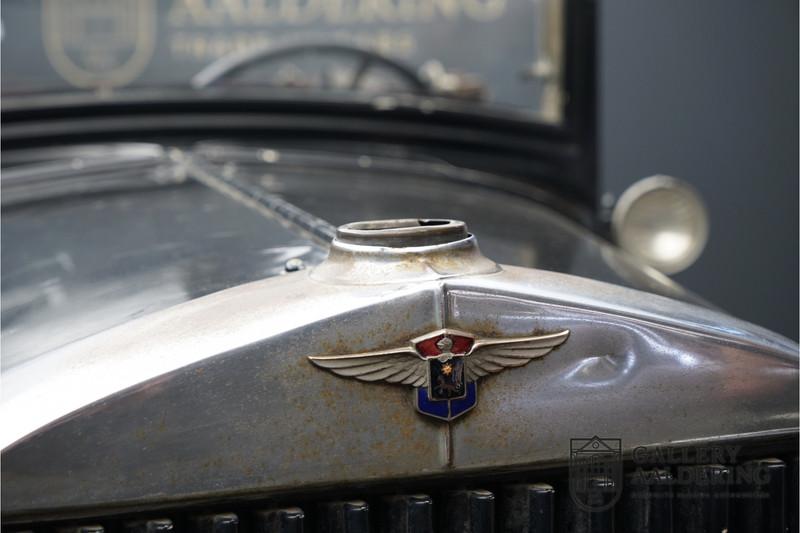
216	523
468	511
290	520
647	502
160	525
761	496
344	517
703	502
794	496
574	518
527	508
408	514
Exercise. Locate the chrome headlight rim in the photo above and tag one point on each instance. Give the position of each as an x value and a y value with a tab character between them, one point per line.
632	197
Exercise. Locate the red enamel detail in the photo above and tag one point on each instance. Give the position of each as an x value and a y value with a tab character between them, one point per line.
461	345
428	347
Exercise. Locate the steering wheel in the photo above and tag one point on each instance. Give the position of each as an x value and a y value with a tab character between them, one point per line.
237	62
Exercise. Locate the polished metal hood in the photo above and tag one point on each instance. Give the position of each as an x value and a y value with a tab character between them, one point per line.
217	397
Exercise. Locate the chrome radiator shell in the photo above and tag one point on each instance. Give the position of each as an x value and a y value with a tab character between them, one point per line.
215	398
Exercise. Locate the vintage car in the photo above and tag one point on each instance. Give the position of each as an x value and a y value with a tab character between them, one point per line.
242	287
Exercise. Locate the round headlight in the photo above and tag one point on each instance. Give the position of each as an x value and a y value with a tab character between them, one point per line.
663	221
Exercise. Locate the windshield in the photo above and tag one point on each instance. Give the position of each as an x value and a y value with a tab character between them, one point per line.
500	53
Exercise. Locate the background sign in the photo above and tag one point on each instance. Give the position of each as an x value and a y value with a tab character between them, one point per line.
510	48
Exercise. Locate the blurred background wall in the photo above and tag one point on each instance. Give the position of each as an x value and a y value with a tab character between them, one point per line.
708	91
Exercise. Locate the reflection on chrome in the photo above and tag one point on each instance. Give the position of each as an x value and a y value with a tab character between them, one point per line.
601	370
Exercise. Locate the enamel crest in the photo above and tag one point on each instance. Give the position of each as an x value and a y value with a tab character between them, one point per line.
443	367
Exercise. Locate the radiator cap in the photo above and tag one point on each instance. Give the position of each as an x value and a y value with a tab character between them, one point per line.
400	251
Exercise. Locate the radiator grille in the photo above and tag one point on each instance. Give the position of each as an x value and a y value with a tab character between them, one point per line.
711	502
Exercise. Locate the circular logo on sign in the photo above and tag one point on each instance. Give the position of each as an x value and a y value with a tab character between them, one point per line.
99	44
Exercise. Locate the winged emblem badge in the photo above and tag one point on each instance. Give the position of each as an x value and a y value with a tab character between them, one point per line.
443	366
